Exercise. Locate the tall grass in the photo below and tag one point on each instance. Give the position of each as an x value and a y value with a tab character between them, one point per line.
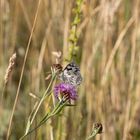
108	55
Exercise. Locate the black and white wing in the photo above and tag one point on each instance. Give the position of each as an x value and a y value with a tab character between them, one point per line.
71	74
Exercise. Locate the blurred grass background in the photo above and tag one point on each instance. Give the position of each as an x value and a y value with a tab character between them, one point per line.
109	58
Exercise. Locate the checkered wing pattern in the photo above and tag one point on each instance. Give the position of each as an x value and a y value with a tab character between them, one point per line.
71	74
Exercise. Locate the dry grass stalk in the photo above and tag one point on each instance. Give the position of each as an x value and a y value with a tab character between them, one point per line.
115	48
109	54
10	68
22	71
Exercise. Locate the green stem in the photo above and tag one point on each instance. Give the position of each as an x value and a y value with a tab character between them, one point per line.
55	111
43	97
31	119
94	133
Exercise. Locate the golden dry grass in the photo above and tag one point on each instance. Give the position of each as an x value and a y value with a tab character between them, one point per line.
109	59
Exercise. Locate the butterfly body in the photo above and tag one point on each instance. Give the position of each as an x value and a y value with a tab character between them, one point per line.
71	74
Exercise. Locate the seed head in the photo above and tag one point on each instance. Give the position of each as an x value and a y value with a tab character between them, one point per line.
10	67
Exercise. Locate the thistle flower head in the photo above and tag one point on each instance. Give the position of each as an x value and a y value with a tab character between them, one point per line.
65	91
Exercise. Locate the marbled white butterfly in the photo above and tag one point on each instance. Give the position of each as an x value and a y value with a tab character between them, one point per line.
71	74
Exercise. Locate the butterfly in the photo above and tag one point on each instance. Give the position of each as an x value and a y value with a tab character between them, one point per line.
71	74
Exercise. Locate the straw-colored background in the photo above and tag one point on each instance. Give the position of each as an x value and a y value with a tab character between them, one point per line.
109	59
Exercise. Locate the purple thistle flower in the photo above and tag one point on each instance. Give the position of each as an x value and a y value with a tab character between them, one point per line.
65	90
